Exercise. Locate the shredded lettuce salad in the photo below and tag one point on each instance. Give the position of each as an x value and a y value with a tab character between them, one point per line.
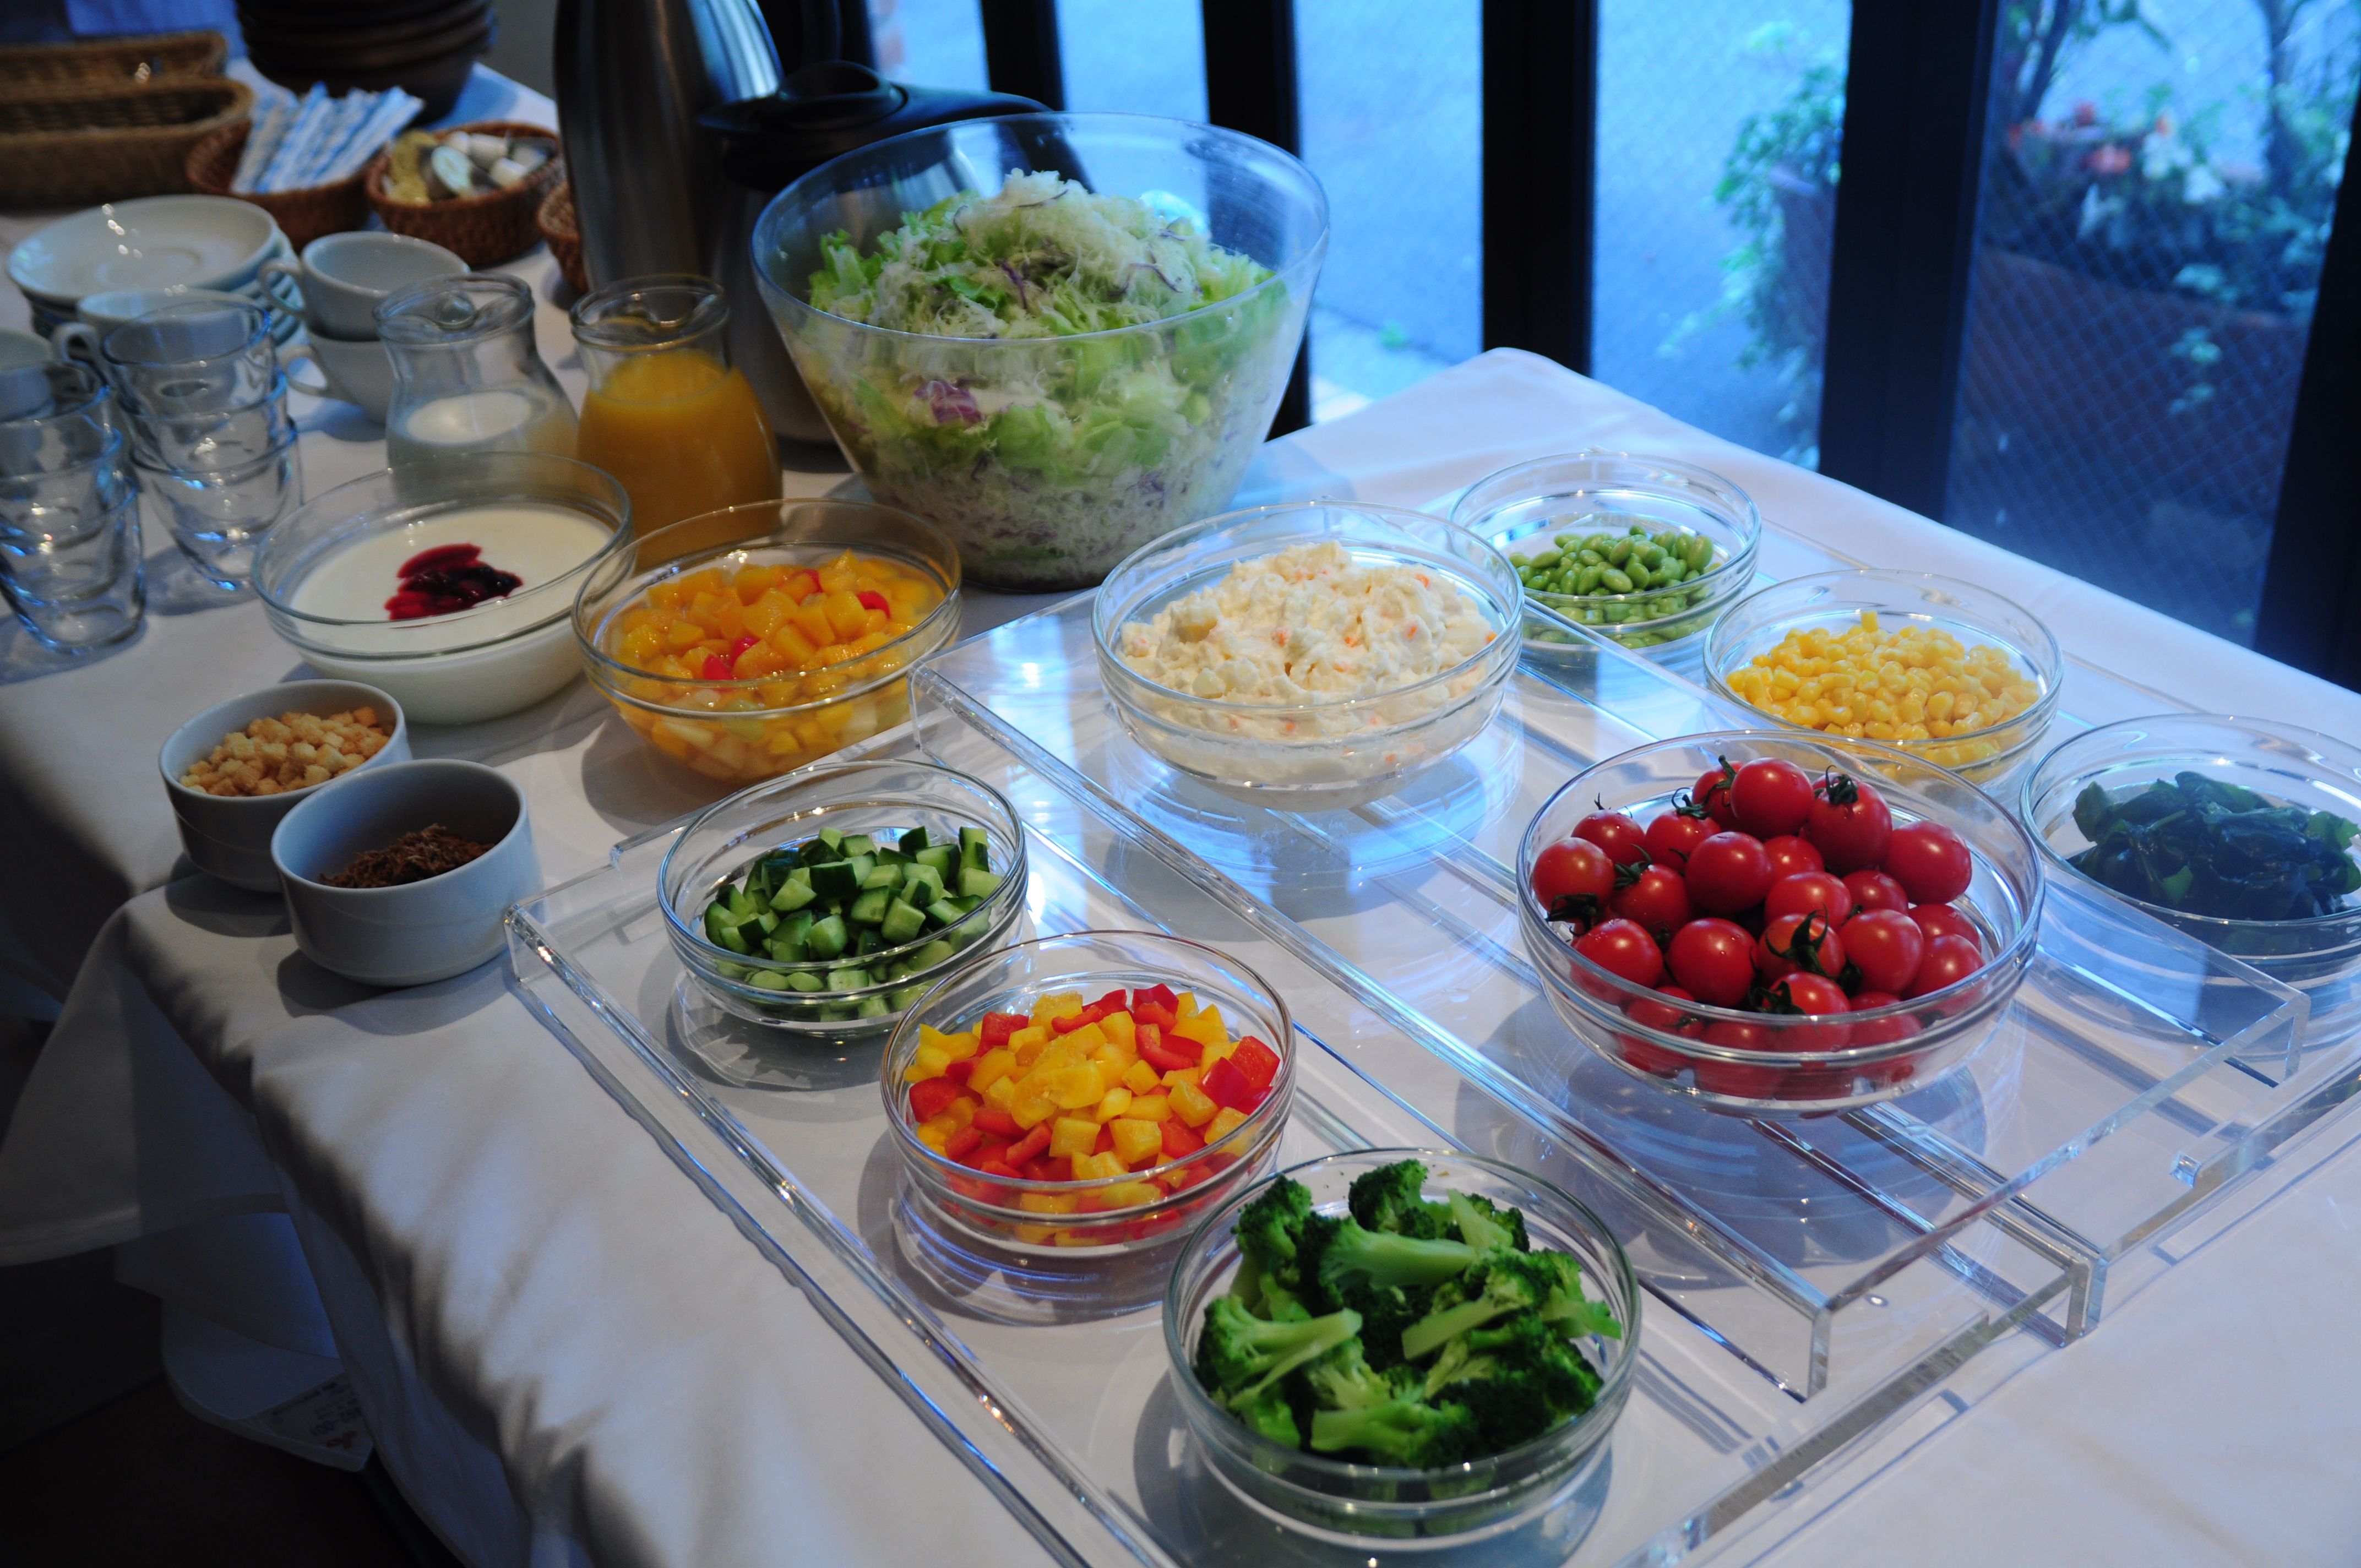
1051	461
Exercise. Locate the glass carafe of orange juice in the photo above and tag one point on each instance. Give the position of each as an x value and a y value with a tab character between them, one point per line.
667	415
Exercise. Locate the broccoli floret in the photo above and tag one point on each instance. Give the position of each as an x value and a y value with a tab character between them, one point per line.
1482	1226
1502	1282
1386	1311
1344	1380
1239	1353
1538	1350
1509	1406
1388	1198
1401	1431
1269	1411
1270	1233
1342	1255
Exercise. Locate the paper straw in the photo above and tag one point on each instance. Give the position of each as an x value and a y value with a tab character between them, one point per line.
295	149
337	120
262	140
393	110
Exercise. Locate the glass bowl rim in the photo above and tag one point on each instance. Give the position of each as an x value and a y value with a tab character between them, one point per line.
1238	1141
767	257
605	668
2016	954
616	517
2049	664
1613	1380
2182	919
96	394
1103	625
1012	882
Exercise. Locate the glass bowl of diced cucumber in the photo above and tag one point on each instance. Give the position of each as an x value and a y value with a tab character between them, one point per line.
829	899
1643	550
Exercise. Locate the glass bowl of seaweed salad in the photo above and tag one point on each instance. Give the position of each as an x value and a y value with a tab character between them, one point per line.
1417	1344
2238	831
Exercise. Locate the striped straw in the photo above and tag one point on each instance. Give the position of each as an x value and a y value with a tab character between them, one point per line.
295	149
392	110
262	140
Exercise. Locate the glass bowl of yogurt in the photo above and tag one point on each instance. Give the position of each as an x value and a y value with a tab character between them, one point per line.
1308	657
448	582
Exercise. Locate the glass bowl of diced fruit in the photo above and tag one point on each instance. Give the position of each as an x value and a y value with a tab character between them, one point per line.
1084	1097
826	902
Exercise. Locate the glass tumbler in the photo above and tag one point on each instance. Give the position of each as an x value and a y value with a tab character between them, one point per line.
198	357
46	408
667	414
69	564
466	374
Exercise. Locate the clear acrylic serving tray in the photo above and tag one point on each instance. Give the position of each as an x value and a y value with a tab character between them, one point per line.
1810	1282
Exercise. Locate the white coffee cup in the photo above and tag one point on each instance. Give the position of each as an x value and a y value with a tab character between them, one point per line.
359	373
343	277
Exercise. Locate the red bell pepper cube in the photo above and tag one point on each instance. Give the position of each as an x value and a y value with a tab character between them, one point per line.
998	1123
957	1146
1106	1141
929	1097
1112	1001
1256	1060
1073	1021
988	1150
1049	1168
1166	1054
1224	1085
1144	1013
872	599
1029	1146
958	1071
999	1167
1156	996
998	1026
1180	1141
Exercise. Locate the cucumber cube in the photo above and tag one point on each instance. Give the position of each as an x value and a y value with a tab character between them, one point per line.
913	840
829	846
804	980
847	980
730	971
933	953
907	998
869	909
886	875
902	922
832	1013
872	1007
837	881
941	857
943	912
892	857
786	952
791	895
717	921
867	940
975	849
975	884
742	904
767	980
736	943
826	938
922	886
858	844
794	929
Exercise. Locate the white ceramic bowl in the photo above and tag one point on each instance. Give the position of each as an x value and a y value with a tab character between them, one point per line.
203	242
229	836
424	930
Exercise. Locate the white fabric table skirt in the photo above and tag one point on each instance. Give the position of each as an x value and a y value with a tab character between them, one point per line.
564	1350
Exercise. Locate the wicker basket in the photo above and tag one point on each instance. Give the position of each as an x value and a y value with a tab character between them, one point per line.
482	230
74	146
557	226
124	62
304	214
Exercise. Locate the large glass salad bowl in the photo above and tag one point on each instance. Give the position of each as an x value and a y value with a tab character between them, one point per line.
1061	377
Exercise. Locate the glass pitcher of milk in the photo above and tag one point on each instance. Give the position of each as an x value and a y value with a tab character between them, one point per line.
466	374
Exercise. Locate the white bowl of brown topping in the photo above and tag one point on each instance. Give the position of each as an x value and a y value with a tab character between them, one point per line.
404	874
238	768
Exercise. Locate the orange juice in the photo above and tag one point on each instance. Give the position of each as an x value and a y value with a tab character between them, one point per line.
681	431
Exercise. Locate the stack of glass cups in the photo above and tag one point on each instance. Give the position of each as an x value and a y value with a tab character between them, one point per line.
211	434
70	562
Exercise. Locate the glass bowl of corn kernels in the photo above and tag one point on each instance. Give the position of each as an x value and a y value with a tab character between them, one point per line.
749	641
1946	671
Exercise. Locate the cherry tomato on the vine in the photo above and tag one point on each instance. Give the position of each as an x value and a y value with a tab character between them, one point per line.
1880	1031
1671	836
1808	891
1667	1016
1949	961
1742	1080
1790	855
1771	796
1942	920
1569	871
1875	890
1625	842
1623	947
1656	897
1713	960
1849	823
1886	946
1799	942
1712	792
1818	996
1930	860
1727	872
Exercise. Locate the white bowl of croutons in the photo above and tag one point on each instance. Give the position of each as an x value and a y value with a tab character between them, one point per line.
235	768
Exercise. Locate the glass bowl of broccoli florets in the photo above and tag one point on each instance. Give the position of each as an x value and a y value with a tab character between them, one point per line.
1404	1343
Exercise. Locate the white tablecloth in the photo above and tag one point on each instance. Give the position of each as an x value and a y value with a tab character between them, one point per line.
565	1352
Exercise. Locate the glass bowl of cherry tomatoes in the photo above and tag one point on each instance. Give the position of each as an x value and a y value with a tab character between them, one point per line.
1774	926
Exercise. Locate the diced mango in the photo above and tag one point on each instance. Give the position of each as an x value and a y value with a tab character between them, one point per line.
1150	1108
1073	1136
1114	1104
1192	1104
1135	1140
1227	1120
1139	1078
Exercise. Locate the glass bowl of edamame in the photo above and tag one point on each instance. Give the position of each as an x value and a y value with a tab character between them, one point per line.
1643	550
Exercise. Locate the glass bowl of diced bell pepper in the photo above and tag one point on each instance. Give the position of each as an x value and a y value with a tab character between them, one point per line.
826	903
1087	1095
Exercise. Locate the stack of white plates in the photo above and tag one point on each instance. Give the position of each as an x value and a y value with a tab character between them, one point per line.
156	242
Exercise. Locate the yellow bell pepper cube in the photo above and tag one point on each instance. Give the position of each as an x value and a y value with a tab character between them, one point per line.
1205	1029
1227	1120
1026	1043
959	1113
955	1048
1061	1004
999	1092
1114	1104
1034	1235
1074	1137
1047	1202
1057	1054
1191	1104
1135	1140
1139	1078
990	1068
1115	1056
1098	1167
1118	1028
928	1062
1029	1106
1071	1088
1086	1039
1150	1108
1133	1194
933	1137
1187	1005
1180	1075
